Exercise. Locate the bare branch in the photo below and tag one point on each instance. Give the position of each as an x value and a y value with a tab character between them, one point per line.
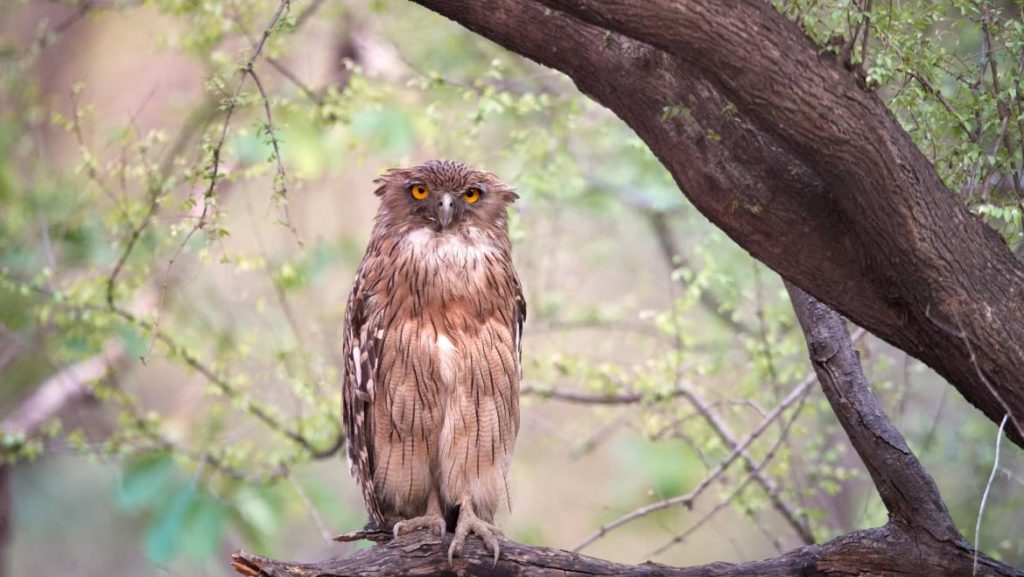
598	398
69	385
686	500
755	473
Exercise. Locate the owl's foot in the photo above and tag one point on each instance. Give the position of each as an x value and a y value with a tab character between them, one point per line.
431	521
470	523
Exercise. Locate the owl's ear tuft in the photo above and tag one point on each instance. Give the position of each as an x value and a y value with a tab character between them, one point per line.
508	194
505	192
385	180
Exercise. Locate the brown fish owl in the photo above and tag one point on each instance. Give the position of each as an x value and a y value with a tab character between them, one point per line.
432	351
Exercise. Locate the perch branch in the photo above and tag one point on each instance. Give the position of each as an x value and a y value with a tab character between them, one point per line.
883	551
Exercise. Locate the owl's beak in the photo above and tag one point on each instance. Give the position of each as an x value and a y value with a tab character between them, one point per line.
445	209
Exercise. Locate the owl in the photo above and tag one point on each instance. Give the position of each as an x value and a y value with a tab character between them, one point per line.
432	338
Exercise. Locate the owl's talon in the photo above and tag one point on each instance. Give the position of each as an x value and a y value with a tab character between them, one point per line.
470	523
428	521
451	552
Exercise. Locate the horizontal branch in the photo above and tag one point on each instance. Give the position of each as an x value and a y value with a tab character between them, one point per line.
584	398
883	551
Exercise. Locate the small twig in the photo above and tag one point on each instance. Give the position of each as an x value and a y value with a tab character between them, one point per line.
599	398
755	472
931	89
984	496
754	475
796	394
283	70
280	178
762	324
314	513
674	259
244	72
867	34
602	434
198	119
375	535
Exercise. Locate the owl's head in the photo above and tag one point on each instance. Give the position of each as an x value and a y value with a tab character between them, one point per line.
445	196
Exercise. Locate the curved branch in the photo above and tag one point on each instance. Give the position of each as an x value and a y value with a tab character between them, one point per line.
906	488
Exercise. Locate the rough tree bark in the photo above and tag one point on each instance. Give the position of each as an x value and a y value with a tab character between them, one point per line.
805	169
920	538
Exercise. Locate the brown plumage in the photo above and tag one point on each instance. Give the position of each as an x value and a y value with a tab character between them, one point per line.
432	349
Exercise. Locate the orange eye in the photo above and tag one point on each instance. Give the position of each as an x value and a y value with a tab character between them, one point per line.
472	195
419	191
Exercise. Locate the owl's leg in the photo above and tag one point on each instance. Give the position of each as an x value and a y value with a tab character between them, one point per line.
470	523
433	519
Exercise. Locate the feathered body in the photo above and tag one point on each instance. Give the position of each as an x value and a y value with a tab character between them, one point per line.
432	348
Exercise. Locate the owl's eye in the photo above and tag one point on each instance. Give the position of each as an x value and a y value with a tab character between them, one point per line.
419	191
472	195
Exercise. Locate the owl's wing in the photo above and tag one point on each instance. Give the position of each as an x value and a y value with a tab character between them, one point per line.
362	352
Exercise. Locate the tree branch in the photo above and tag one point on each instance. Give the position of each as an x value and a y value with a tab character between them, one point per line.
882	551
906	489
67	386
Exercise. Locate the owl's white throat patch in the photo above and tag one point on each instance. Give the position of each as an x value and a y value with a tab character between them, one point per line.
448	246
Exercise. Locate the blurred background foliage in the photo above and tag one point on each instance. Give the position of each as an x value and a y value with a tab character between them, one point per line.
185	192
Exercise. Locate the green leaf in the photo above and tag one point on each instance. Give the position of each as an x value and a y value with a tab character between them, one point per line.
144	480
164	535
204	527
256	515
670	465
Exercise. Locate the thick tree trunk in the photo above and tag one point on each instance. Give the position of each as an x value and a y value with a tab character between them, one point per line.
779	145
